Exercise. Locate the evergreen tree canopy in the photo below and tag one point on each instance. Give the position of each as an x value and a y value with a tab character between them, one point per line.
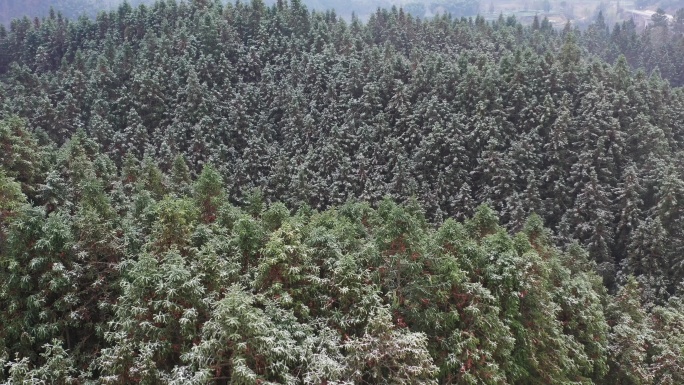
199	192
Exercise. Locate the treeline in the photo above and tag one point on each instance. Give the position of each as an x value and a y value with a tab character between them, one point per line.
141	276
660	47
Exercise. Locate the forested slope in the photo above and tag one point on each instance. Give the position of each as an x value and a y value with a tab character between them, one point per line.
141	277
110	250
313	109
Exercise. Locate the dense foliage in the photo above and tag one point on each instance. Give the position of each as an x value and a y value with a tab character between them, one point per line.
142	277
179	189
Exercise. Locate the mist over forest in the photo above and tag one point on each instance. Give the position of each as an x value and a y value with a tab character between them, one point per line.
560	11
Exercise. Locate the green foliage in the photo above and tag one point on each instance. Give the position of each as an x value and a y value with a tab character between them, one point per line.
43	293
245	343
151	178
11	198
180	175
21	156
180	187
352	294
630	338
388	354
175	222
157	316
58	368
209	194
436	109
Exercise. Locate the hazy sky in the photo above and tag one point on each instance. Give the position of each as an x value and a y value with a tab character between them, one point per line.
10	9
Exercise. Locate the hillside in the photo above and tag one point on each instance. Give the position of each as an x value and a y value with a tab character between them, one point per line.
207	193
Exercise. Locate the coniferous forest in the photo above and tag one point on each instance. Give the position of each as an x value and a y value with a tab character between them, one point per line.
206	193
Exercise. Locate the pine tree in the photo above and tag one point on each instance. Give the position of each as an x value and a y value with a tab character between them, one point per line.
208	193
180	176
630	210
666	362
630	338
38	291
387	354
21	158
135	136
11	199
